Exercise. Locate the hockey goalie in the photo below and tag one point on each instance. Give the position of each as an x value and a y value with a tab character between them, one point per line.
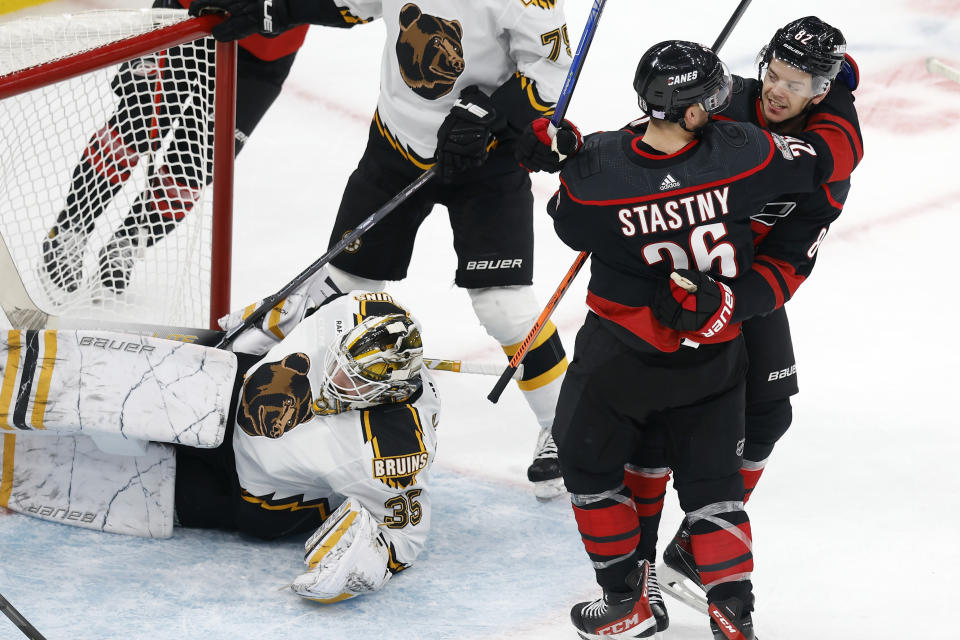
324	424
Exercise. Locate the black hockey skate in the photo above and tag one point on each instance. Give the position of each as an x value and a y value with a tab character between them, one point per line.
544	471
679	576
118	257
657	605
729	621
62	256
618	616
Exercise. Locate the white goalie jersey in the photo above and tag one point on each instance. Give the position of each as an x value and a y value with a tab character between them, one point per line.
435	48
291	457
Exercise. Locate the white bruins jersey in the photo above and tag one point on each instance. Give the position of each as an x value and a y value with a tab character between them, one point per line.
289	458
436	48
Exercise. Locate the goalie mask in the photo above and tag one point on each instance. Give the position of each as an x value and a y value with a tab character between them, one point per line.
376	362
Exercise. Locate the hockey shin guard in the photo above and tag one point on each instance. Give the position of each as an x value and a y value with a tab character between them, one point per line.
648	487
610	532
722	546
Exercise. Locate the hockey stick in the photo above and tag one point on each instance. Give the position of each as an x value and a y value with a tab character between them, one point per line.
17	618
937	67
581	258
267	305
586	38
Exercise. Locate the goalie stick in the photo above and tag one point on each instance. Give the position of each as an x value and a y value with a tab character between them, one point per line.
581	258
17	618
938	67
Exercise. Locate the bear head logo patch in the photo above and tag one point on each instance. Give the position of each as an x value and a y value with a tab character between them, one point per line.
430	52
276	397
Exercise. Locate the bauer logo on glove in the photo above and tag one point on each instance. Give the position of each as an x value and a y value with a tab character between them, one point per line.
693	301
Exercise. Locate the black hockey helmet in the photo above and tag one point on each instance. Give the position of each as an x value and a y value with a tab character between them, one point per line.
675	74
808	44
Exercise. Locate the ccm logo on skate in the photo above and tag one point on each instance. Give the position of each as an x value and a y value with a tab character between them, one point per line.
620	625
723	622
783	373
479	265
114	345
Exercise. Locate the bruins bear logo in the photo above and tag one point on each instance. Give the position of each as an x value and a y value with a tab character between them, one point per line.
276	397
429	51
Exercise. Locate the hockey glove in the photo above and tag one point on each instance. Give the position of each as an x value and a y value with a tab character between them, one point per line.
466	136
693	301
246	17
347	556
537	151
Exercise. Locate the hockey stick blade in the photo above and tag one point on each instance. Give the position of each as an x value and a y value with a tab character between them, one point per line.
17	305
937	67
17	619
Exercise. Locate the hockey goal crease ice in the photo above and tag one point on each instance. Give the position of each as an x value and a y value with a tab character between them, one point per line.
116	168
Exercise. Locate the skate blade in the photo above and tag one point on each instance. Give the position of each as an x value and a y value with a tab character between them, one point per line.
549	489
682	588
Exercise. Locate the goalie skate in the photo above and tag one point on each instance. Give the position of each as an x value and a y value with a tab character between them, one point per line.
678	573
62	261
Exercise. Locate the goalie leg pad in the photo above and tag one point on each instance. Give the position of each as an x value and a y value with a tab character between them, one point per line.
68	480
347	557
127	385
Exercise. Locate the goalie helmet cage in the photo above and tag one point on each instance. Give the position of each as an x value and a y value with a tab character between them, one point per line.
109	118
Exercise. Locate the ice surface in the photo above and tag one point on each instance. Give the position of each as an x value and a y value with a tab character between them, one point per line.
855	519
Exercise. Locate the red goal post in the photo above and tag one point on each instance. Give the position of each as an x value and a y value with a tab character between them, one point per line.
47	176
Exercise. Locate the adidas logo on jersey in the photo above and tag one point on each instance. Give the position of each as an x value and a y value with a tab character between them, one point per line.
669	183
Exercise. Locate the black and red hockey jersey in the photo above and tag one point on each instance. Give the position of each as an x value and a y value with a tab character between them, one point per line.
790	229
643	214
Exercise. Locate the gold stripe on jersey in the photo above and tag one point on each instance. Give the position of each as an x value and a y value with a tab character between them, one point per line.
529	87
6	478
247	310
349	18
396	439
408	155
43	384
9	378
394	565
293	503
543	4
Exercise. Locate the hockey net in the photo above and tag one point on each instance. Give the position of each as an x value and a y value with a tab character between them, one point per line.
116	167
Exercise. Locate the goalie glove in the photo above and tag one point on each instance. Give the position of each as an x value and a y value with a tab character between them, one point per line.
347	557
693	301
245	17
538	151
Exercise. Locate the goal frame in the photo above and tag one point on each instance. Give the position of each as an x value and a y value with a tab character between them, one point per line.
225	92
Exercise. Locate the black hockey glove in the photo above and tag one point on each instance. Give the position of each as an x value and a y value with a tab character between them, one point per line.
693	301
536	150
466	136
246	17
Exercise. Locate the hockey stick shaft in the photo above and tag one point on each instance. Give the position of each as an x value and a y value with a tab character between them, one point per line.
17	619
581	258
731	23
573	75
939	68
331	253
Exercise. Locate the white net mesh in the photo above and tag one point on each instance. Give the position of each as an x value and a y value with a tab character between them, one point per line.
102	176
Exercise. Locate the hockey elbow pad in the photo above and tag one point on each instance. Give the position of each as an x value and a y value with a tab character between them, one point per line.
347	556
